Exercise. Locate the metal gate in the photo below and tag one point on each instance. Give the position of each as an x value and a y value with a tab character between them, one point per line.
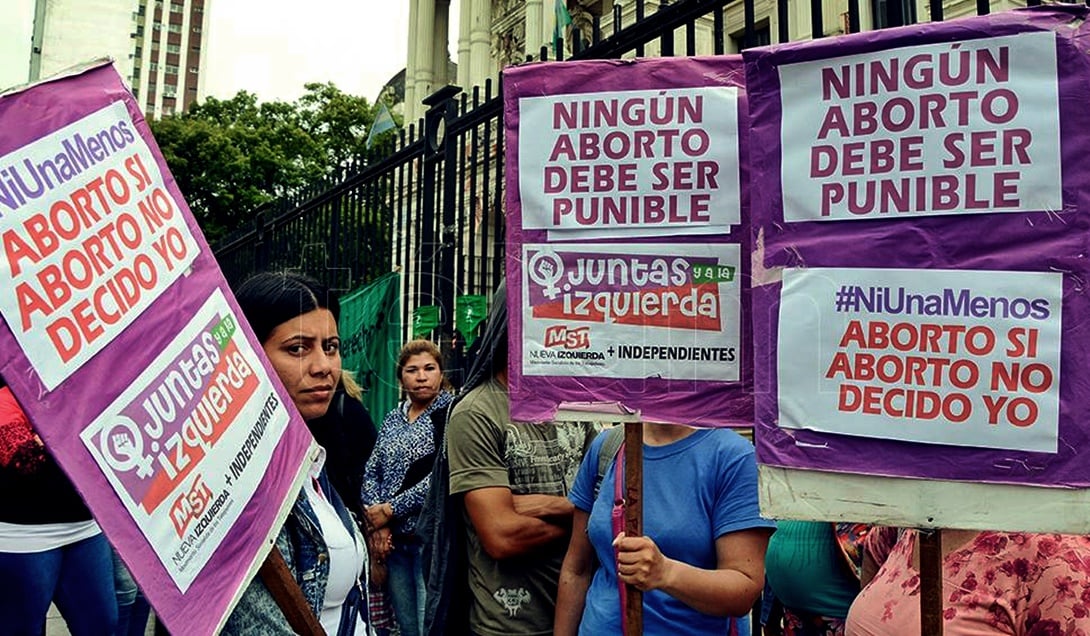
433	206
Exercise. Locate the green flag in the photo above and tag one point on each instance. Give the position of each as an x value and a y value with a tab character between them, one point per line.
470	312
383	121
563	20
370	328
425	318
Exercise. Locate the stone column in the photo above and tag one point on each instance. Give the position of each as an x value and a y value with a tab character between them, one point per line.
465	13
440	39
548	22
411	100
425	51
480	42
533	27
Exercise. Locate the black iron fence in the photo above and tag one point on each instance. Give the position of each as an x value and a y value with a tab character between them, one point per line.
433	206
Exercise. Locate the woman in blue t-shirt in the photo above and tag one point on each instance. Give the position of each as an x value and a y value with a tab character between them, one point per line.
701	559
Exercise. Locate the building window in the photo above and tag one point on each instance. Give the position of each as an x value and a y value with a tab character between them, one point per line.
173	48
762	36
176	8
174	28
196	29
169	91
891	13
153	67
171	69
194	69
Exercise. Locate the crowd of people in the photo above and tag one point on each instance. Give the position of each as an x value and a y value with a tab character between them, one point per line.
452	519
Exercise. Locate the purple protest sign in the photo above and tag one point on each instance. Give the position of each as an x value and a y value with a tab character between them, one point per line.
920	220
128	353
626	240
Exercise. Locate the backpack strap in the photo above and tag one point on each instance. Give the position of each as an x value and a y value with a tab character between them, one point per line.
616	520
609	449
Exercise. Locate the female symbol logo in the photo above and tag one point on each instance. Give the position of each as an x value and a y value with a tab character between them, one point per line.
545	269
122	444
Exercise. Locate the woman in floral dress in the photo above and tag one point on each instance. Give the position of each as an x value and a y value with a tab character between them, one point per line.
993	583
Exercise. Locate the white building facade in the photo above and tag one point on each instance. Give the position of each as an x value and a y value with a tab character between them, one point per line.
156	45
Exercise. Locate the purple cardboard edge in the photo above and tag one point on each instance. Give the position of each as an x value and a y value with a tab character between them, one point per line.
536	398
83	395
1059	242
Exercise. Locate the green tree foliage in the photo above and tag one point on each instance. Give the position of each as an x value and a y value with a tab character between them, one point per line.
340	120
231	156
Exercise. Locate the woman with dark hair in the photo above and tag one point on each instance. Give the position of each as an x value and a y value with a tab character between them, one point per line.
398	476
343	428
295	318
51	550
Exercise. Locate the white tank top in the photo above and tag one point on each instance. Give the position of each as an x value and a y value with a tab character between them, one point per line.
346	560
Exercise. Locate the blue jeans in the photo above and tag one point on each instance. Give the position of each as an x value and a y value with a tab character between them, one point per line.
132	608
405	579
78	577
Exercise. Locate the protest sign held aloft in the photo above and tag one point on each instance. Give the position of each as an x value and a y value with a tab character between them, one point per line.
128	353
922	286
626	236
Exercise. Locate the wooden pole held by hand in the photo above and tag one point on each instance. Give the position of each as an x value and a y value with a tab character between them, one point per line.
276	576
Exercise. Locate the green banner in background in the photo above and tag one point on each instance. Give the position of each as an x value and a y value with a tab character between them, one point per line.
425	319
370	329
470	312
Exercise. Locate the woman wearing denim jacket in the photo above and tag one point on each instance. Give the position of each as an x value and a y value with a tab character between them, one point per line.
295	318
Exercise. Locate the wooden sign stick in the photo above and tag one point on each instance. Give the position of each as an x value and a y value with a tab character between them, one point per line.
929	544
278	578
